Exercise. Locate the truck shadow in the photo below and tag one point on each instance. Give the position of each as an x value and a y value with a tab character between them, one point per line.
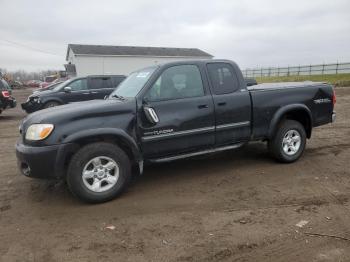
253	153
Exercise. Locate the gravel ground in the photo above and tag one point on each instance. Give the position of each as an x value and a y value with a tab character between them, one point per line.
232	206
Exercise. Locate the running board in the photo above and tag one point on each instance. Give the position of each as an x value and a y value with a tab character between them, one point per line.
204	152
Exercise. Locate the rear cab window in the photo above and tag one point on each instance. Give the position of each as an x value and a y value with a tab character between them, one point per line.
223	78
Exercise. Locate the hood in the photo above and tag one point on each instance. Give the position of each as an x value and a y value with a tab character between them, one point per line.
39	90
43	92
93	109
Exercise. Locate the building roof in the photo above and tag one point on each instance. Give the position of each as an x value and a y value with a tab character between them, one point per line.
108	50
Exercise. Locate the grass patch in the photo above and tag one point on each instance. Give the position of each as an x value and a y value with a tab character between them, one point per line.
337	80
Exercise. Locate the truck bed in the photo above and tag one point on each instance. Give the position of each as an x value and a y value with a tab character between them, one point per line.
269	98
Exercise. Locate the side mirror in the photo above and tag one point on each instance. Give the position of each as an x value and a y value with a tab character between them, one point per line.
67	89
150	114
106	96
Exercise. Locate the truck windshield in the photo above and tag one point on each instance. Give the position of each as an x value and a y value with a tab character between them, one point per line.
132	85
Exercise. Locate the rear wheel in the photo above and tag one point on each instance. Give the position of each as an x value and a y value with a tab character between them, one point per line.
51	104
289	141
98	172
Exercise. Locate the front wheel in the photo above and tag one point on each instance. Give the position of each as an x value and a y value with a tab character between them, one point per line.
98	172
51	104
288	143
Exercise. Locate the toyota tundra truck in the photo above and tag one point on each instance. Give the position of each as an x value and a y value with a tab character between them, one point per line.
165	113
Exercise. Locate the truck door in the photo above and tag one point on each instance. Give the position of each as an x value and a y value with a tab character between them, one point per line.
183	106
232	104
79	91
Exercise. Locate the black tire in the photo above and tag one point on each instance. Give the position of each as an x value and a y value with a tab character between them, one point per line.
276	143
51	104
83	156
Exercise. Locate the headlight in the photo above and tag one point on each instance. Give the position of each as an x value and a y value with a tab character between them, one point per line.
37	132
35	99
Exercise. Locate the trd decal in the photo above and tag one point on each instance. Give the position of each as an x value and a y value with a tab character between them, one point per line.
322	101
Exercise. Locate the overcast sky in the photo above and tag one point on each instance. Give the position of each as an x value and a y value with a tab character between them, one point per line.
253	33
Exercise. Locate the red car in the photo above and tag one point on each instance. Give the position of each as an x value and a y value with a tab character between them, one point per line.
48	80
33	83
50	86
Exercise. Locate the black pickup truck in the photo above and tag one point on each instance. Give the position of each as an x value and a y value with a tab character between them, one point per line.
163	113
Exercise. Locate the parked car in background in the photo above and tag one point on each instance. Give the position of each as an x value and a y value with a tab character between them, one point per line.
16	84
53	83
47	81
6	98
49	87
73	90
33	83
164	113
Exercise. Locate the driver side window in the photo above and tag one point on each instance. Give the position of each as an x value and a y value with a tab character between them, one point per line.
177	82
78	85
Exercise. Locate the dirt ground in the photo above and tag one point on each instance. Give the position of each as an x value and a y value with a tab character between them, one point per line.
233	206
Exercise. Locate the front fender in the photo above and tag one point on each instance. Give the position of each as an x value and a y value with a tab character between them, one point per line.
114	132
44	100
281	112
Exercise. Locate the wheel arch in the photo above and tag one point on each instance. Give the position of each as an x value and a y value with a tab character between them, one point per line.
297	112
53	99
118	136
112	135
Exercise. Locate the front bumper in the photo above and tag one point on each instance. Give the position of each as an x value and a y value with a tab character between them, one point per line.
42	161
31	106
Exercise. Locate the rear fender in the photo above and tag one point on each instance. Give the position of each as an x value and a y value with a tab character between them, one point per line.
283	111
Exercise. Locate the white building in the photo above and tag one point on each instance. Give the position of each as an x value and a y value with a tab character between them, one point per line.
122	60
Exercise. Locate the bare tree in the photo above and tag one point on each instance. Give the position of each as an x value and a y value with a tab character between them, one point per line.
24	76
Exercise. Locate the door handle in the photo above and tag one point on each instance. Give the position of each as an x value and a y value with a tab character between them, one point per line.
94	92
202	106
86	93
222	104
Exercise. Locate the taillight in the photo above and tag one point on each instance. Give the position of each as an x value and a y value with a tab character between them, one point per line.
5	94
334	98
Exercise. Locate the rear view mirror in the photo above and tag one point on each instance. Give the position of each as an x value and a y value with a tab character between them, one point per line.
151	114
67	89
